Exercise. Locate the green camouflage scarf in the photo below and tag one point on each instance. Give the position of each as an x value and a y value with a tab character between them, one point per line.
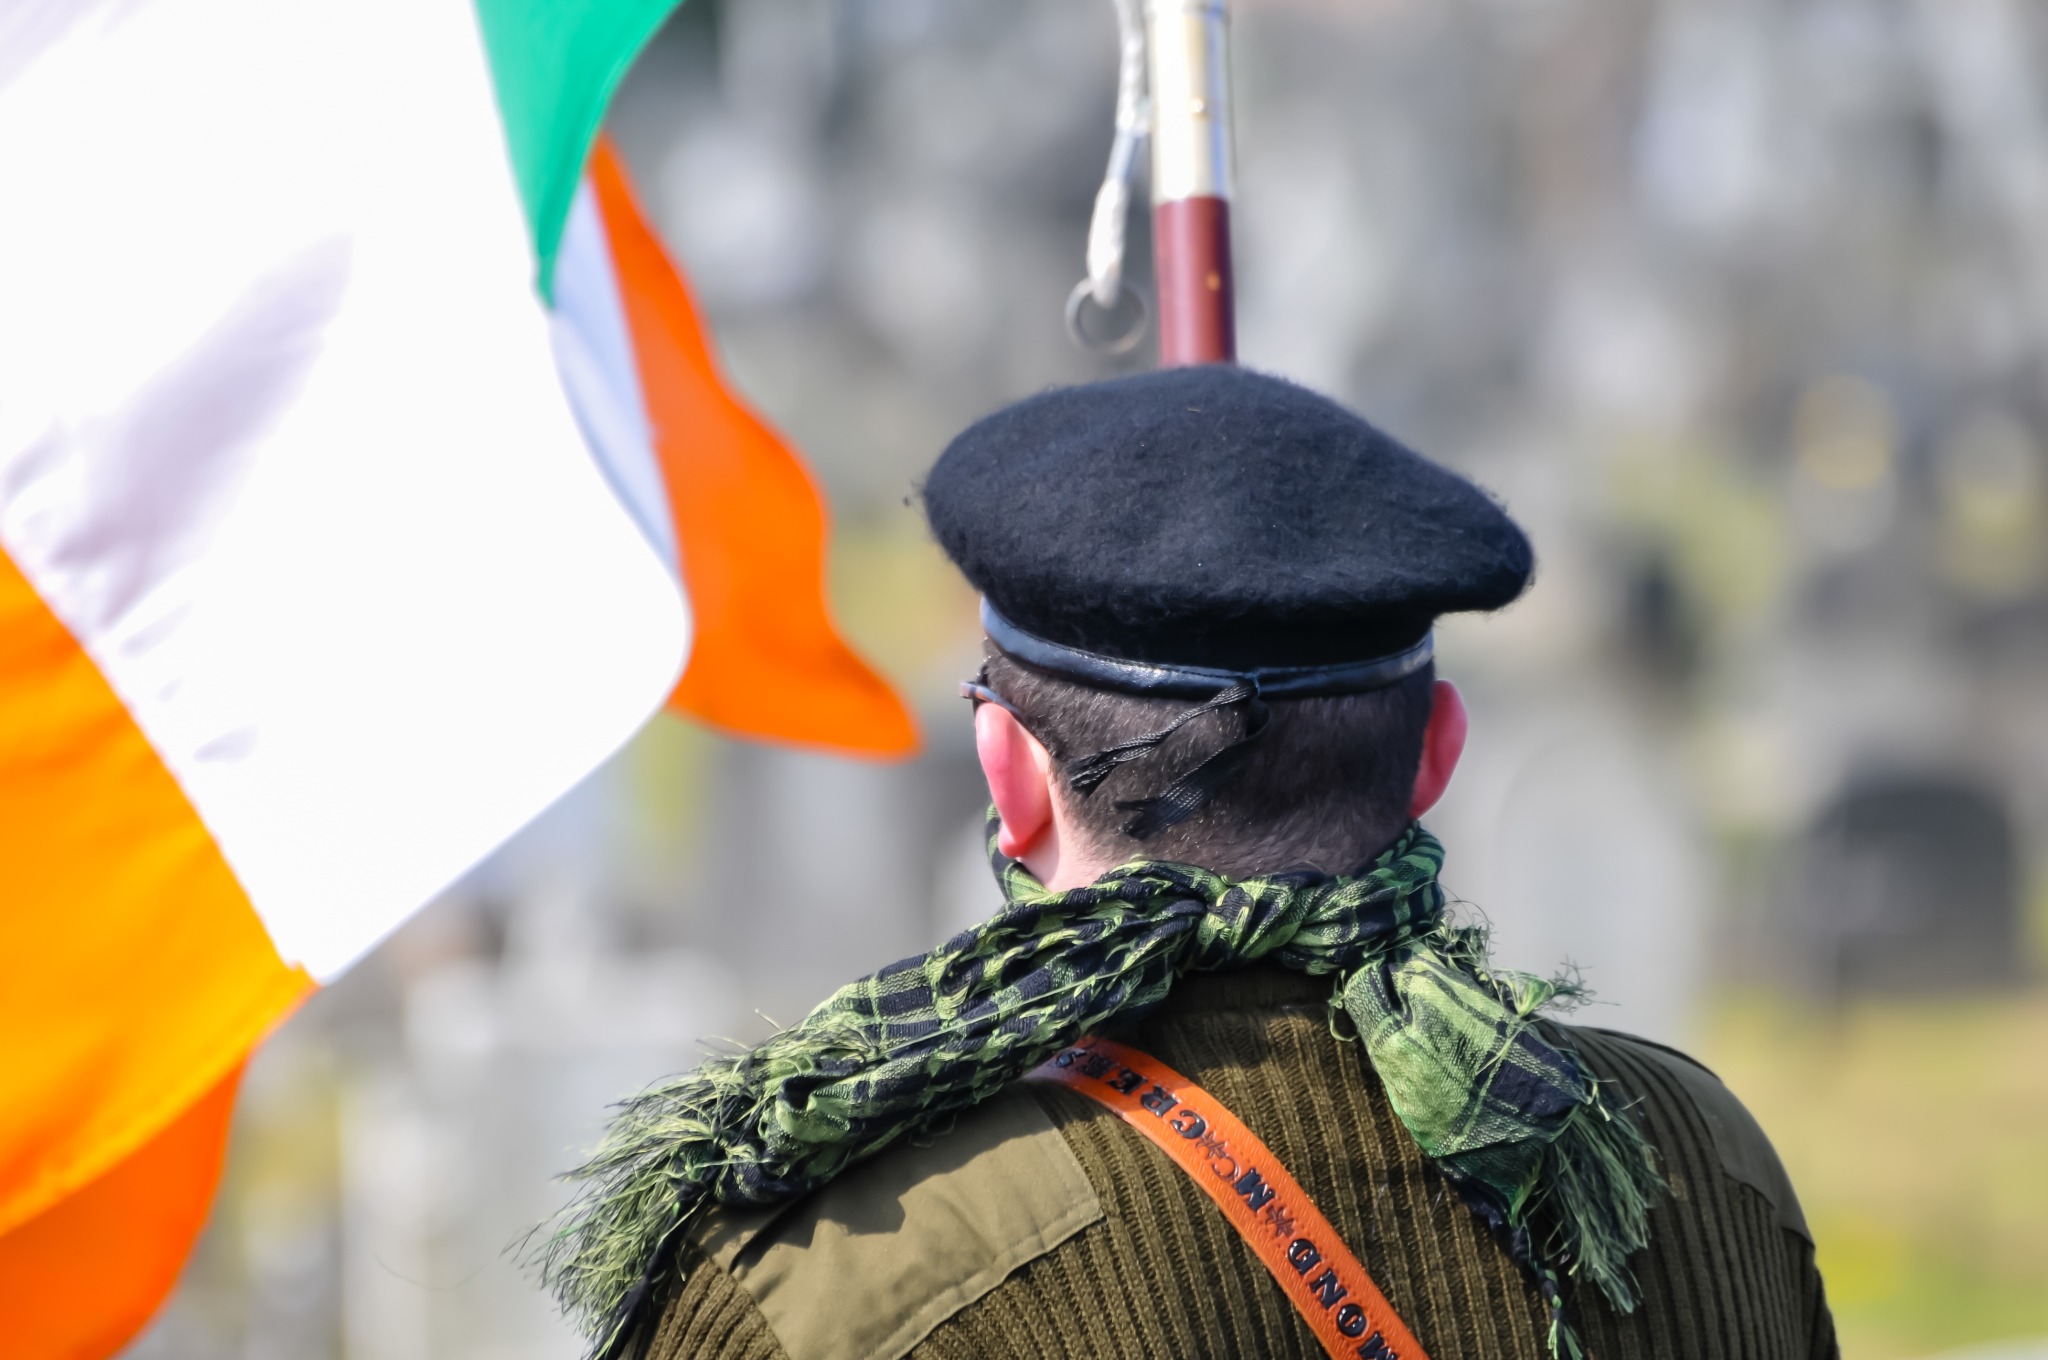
1512	1119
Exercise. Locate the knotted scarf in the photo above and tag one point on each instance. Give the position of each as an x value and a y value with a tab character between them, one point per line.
1511	1117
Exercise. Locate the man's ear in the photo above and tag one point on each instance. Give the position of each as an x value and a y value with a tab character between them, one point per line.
1443	741
1018	770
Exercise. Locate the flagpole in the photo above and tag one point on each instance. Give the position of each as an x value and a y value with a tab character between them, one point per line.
1192	173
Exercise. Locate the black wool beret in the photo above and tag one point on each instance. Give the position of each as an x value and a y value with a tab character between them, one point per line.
1215	517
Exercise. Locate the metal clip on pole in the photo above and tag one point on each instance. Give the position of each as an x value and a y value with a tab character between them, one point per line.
1105	286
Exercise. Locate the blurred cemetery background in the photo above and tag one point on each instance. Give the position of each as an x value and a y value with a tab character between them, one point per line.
1741	305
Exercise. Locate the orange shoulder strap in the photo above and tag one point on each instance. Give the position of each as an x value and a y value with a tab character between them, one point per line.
1267	1206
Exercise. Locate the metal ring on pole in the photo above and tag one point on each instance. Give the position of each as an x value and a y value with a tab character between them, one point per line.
1105	282
1124	343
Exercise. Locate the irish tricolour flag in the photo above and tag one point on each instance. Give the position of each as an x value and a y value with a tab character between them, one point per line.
365	480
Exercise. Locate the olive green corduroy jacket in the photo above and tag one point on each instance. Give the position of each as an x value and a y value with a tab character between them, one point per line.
1043	1226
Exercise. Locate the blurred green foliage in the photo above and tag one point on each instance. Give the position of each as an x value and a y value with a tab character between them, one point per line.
1917	1133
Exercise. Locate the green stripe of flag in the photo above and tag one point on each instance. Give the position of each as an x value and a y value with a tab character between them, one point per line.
555	64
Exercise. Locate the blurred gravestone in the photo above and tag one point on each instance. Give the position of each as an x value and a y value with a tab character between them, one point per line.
1911	884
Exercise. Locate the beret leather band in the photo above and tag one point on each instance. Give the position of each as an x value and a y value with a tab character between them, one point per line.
1152	678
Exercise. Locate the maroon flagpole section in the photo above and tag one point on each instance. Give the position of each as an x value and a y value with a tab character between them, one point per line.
1191	267
1188	43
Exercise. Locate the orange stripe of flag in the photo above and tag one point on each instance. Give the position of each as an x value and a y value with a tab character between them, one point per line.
765	659
134	974
80	1279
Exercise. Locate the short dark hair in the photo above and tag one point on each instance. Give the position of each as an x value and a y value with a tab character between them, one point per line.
1325	788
